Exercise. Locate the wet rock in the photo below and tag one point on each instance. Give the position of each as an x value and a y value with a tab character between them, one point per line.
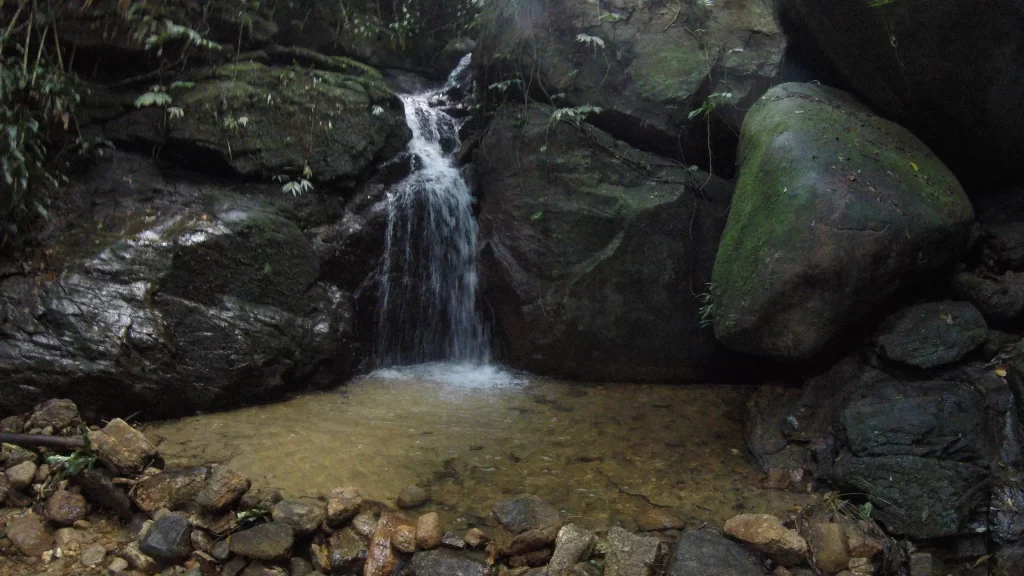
411	497
404	539
220	551
100	490
122	448
169	489
445	563
932	334
256	568
381	559
476	538
568	253
42	473
302	517
299	567
573	545
365	523
429	531
921	564
453	540
828	543
766	534
532	523
138	559
12	455
21	476
632	555
29	536
223	488
342	505
272	541
259	499
704	553
860	567
346	551
59	414
93	555
234	566
169	539
534	559
859	542
788	294
657	519
65	508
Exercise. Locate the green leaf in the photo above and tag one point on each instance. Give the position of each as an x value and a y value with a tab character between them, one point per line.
152	99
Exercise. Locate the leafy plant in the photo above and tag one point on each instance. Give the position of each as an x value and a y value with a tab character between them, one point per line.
574	116
711	103
706	310
592	41
82	459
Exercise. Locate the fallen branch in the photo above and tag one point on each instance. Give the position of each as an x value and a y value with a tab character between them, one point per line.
42	440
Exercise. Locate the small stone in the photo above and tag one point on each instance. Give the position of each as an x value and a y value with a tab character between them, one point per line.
921	564
12	455
169	539
41	474
70	537
451	540
202	541
343	505
657	519
429	531
65	508
404	538
365	523
321	557
117	565
82	524
632	555
122	448
302	517
29	536
272	541
861	567
766	534
411	497
58	414
101	491
259	499
859	543
777	479
21	476
828	543
137	559
233	567
381	559
572	546
220	550
223	488
476	538
93	555
299	567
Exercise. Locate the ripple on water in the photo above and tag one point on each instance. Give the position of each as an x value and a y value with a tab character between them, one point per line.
475	435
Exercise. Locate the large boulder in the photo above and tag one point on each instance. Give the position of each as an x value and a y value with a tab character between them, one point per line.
950	71
177	297
596	252
264	121
836	211
647	65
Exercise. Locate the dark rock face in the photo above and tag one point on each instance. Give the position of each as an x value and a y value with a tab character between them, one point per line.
705	553
641	64
355	122
932	334
922	446
180	305
836	210
949	71
445	563
596	252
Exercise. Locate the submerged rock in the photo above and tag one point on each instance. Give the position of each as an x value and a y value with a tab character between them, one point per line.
411	497
595	253
531	524
836	211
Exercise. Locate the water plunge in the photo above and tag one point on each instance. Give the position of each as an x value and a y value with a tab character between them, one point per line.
427	308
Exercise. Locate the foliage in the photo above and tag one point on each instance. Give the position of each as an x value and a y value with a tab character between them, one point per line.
81	459
573	116
711	103
399	21
707	306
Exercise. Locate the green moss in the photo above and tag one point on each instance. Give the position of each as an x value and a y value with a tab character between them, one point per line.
667	70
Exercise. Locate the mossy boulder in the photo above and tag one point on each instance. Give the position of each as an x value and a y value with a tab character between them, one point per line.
647	66
263	121
836	211
596	252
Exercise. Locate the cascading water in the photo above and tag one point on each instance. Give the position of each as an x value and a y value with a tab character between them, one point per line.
428	278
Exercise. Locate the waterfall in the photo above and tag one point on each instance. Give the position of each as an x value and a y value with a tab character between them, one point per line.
429	284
